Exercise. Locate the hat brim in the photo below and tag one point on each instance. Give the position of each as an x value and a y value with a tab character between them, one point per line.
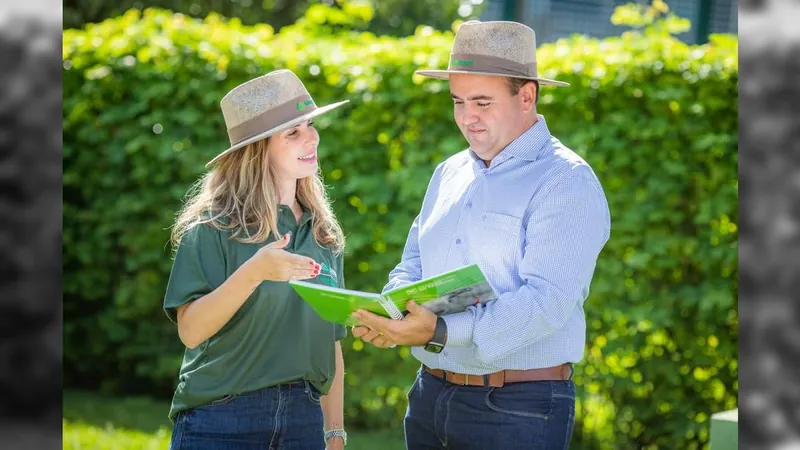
445	75
283	127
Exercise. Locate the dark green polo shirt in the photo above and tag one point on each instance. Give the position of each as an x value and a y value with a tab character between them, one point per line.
274	338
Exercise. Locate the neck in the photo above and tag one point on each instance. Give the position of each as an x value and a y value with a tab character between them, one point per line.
287	189
524	126
528	123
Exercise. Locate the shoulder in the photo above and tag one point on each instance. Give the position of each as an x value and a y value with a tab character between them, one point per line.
199	232
568	170
205	233
456	161
452	164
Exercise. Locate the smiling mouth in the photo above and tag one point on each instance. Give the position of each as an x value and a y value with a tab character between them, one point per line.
308	158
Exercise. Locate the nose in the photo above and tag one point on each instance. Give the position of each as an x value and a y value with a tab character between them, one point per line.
311	138
469	116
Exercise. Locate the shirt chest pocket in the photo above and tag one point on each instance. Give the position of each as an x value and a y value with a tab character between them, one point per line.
502	235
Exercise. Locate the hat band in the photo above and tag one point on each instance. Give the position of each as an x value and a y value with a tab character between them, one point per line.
272	118
491	64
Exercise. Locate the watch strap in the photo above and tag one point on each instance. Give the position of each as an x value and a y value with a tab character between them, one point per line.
440	332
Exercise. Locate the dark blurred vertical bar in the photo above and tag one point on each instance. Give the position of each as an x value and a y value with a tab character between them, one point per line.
510	10
704	21
30	225
769	225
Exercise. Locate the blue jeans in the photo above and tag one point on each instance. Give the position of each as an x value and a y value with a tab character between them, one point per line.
288	416
530	415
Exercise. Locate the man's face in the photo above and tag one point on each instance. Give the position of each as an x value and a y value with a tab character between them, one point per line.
487	114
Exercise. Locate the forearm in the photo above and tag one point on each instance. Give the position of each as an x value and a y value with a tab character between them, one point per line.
512	322
204	317
333	402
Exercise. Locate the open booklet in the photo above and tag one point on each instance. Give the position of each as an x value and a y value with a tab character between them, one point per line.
445	293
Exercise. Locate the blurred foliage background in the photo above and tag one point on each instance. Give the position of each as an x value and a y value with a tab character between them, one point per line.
656	118
392	17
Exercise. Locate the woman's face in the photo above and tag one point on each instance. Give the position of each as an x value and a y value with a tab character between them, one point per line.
293	153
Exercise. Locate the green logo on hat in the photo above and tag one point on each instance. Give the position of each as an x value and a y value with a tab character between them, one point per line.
463	62
302	105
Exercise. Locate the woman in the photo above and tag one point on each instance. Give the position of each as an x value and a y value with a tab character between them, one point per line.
261	369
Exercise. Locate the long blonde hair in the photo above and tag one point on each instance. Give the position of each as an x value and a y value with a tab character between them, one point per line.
240	194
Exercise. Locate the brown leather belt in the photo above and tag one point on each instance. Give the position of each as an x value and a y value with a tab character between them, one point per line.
499	379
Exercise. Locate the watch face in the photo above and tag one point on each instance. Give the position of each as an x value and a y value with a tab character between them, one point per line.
433	348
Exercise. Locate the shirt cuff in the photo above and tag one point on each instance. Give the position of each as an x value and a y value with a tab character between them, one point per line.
459	329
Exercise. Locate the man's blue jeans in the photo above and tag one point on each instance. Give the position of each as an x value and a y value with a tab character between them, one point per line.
281	417
529	415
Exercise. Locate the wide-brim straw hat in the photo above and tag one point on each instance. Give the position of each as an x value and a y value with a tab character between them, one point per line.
266	105
497	48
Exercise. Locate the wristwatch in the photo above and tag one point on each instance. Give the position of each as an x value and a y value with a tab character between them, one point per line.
436	344
334	433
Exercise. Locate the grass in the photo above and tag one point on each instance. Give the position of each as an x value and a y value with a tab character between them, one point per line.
96	422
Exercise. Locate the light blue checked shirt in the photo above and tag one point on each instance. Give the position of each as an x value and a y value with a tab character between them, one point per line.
534	222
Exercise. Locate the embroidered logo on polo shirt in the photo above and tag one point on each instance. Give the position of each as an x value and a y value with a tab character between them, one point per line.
328	276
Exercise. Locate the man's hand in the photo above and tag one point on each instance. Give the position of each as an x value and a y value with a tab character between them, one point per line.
415	329
372	337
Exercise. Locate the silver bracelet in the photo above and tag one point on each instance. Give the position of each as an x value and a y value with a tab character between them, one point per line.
334	433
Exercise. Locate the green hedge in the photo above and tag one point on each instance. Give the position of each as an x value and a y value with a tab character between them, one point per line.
393	17
656	119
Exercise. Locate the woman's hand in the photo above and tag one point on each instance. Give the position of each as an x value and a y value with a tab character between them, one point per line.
273	263
334	443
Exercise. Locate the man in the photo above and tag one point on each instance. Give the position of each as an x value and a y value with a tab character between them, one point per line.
532	214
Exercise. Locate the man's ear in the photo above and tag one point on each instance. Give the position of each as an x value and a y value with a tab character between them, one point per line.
527	95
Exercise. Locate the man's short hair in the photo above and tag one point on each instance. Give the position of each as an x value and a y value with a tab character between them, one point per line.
515	84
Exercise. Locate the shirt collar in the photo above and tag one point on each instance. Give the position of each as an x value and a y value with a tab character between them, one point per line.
286	211
526	146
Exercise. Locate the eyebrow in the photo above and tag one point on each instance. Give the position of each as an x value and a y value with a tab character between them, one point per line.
473	98
307	121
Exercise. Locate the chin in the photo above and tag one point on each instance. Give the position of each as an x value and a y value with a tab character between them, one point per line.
309	171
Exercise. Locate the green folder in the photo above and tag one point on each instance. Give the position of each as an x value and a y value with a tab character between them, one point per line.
445	293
